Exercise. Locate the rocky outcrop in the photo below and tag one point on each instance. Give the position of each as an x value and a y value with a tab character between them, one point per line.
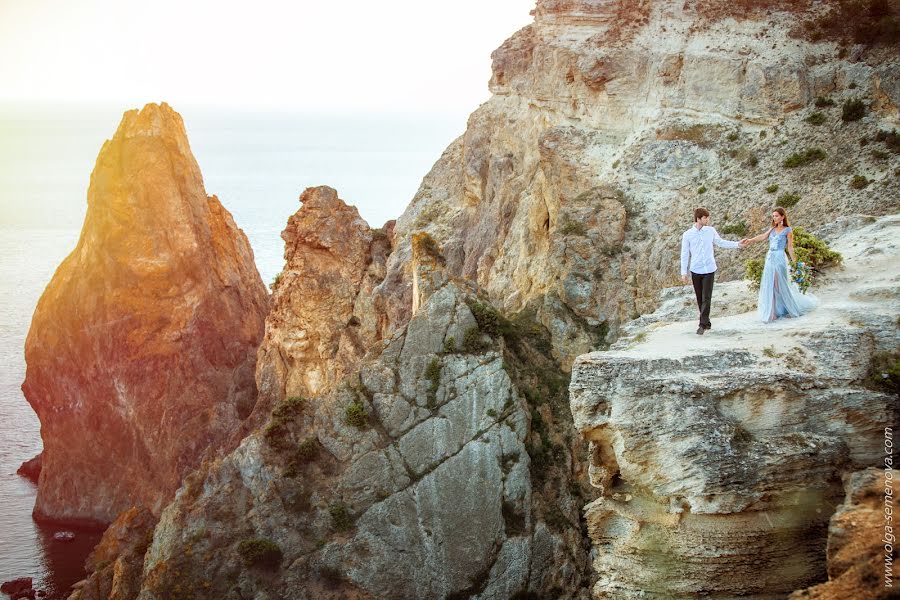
860	547
31	468
411	479
609	122
142	348
115	563
323	319
721	460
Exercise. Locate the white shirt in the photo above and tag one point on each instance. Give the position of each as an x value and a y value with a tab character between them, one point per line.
697	249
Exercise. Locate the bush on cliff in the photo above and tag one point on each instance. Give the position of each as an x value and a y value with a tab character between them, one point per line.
276	432
809	249
260	552
356	415
799	159
884	373
853	110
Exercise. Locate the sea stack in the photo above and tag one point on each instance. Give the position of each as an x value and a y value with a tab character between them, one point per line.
142	349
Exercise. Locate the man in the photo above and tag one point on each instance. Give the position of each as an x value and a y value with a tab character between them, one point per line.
697	251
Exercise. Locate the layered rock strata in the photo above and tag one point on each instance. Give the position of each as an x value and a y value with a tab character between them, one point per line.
142	349
721	462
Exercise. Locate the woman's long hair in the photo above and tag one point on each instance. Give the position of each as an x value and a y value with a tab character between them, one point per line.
783	213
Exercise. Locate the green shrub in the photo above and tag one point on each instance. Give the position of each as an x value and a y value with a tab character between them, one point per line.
276	432
288	408
340	517
308	450
356	415
733	136
472	342
853	110
788	199
799	159
488	318
752	161
260	552
822	102
573	228
815	118
701	189
450	345
424	244
739	228
753	269
433	374
880	155
814	251
771	189
884	372
859	182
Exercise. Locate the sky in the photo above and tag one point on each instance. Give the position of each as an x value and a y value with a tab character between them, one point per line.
348	56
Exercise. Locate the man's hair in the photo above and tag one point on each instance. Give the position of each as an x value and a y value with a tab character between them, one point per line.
699	213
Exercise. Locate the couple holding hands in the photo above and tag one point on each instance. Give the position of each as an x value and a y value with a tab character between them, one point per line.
779	296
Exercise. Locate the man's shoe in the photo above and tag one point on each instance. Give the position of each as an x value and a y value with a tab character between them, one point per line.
700	331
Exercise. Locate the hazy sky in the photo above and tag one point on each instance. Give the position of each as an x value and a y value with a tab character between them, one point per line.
352	54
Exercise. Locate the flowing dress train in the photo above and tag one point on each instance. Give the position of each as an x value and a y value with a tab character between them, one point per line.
779	296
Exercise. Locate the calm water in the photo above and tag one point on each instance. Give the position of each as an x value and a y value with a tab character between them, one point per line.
256	164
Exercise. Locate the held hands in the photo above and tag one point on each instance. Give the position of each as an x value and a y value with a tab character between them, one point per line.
744	243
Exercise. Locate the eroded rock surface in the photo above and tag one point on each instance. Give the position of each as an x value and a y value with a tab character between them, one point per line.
720	459
410	480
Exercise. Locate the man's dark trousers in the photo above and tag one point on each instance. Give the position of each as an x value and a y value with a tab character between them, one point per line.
703	285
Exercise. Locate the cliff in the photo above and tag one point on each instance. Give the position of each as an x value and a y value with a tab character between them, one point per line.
414	437
610	121
142	348
410	479
723	460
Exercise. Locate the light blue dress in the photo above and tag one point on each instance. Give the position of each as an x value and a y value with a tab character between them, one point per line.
779	296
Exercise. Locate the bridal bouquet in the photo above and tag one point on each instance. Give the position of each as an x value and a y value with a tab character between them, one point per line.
801	274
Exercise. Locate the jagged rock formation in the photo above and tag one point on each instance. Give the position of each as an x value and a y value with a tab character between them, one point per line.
115	563
571	185
322	320
410	480
722	461
142	348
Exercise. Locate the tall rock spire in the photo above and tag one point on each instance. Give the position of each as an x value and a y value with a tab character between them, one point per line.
142	348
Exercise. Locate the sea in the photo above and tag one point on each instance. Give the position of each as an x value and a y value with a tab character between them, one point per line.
256	161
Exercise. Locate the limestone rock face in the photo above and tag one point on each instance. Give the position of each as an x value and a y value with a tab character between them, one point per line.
411	479
142	348
723	460
857	538
323	319
570	187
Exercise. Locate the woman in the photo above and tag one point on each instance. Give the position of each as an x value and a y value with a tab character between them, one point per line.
779	296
